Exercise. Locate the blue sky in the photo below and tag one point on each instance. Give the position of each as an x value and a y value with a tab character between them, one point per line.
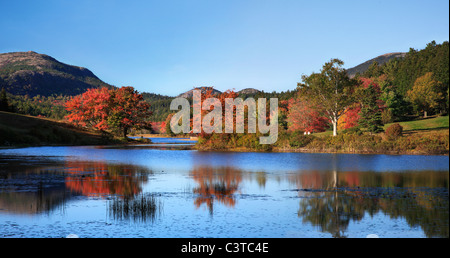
169	46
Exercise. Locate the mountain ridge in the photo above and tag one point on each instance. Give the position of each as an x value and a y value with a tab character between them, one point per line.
381	59
31	73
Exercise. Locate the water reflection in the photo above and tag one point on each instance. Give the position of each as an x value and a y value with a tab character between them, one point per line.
267	188
105	179
41	185
330	201
216	184
30	186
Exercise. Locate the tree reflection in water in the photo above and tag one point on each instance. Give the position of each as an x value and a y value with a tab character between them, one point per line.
104	179
216	184
332	200
120	182
329	200
35	186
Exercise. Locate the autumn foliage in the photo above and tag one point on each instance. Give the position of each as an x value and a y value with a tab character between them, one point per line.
424	94
90	109
117	110
306	117
350	118
207	93
352	115
394	131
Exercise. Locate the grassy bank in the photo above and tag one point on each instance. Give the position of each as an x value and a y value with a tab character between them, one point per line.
427	137
427	143
428	124
18	130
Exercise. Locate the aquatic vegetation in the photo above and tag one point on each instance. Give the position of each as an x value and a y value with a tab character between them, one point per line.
142	208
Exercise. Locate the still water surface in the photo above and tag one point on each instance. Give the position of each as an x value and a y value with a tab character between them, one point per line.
155	191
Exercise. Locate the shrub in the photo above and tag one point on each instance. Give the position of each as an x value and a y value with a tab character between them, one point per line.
394	131
300	140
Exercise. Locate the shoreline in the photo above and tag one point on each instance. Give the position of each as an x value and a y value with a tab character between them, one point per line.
411	143
274	149
305	150
243	149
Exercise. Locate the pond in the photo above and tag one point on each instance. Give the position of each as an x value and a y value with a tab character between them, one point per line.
158	192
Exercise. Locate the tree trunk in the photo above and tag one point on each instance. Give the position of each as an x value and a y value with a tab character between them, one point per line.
125	132
425	114
334	128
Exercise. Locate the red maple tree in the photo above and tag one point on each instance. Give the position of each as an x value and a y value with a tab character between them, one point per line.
305	117
90	109
118	110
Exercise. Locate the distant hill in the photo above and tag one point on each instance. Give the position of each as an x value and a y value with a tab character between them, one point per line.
248	91
34	74
188	94
380	59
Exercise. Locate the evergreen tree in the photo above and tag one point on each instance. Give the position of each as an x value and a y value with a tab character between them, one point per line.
374	70
395	103
370	115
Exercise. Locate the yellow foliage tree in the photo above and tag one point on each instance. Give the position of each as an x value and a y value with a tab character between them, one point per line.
424	95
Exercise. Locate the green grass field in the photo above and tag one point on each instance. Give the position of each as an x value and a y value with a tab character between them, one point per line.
429	124
433	123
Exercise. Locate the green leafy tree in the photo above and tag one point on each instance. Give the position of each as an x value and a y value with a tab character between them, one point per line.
331	89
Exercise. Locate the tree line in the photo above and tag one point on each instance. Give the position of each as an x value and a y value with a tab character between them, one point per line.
415	84
41	106
400	89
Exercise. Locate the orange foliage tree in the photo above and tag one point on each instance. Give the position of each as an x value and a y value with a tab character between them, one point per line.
104	109
350	118
206	94
304	116
90	109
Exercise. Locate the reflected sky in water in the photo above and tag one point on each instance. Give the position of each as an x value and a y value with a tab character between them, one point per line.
142	191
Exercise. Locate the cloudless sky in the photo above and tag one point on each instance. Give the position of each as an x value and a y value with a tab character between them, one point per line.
171	46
